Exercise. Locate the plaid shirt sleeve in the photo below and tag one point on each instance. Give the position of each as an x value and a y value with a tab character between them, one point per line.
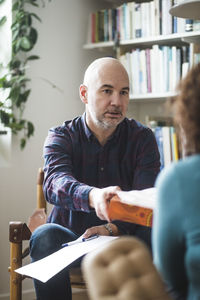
60	186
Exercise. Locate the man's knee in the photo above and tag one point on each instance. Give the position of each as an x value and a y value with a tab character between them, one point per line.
47	239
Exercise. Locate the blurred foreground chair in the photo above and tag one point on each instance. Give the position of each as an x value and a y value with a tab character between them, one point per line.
19	232
123	270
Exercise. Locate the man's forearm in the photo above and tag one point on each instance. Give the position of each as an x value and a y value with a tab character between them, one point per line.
65	191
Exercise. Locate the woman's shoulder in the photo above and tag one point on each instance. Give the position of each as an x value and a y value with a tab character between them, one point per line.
184	170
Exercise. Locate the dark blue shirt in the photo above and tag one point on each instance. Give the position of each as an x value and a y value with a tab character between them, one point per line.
75	162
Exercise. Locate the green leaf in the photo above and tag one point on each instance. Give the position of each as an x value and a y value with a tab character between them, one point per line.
15	34
1	1
15	6
22	143
6	84
22	122
25	43
24	96
33	35
3	20
36	17
14	94
20	16
28	19
16	45
2	81
15	64
5	117
30	129
32	57
15	26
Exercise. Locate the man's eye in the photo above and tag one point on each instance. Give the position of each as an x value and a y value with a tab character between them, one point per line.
124	93
107	91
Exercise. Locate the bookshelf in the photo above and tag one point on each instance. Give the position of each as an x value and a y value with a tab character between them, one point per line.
177	42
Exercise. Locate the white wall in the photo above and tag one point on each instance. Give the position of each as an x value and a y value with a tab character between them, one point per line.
62	34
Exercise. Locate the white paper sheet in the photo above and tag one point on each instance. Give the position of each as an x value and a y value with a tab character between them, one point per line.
144	198
46	268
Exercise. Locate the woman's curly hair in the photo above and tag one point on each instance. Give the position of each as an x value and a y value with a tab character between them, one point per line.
186	108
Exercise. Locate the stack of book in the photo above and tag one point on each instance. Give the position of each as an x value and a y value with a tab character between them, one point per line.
167	141
159	68
134	20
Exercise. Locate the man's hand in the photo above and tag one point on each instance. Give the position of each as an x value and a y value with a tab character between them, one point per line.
99	200
100	230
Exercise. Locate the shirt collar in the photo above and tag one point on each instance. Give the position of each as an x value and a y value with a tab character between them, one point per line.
86	129
90	135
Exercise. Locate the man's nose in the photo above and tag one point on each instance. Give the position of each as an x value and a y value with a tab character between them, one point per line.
116	99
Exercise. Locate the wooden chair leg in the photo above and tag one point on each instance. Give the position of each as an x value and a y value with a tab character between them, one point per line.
18	232
15	278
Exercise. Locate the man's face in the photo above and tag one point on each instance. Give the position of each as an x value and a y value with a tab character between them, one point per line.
107	97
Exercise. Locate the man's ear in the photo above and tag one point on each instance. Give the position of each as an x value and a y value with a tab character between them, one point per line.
83	93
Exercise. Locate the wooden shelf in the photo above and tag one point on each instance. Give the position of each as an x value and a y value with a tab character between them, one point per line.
98	45
175	38
162	39
151	97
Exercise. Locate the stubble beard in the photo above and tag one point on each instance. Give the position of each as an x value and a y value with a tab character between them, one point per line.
104	123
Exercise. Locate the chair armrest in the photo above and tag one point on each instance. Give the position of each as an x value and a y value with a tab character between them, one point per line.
18	232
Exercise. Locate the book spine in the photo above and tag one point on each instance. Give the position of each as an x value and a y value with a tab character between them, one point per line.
93	31
106	31
96	27
157	17
114	23
166	145
159	139
148	68
138	24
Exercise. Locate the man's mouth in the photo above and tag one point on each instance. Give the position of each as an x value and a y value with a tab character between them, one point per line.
113	114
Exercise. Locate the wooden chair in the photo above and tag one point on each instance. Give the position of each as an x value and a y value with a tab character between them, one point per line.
20	232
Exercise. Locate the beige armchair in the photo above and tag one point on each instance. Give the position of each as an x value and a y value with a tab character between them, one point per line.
123	270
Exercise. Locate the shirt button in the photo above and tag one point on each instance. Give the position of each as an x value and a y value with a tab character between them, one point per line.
102	168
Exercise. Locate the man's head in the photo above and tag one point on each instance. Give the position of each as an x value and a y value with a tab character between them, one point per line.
105	91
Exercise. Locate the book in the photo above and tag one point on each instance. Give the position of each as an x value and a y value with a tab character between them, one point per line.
166	145
93	27
100	28
148	68
133	206
106	26
138	25
174	144
159	139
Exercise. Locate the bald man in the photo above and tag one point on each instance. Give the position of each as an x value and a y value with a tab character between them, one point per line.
88	159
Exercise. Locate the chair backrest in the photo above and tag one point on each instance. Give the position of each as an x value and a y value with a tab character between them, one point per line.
122	270
39	216
41	202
